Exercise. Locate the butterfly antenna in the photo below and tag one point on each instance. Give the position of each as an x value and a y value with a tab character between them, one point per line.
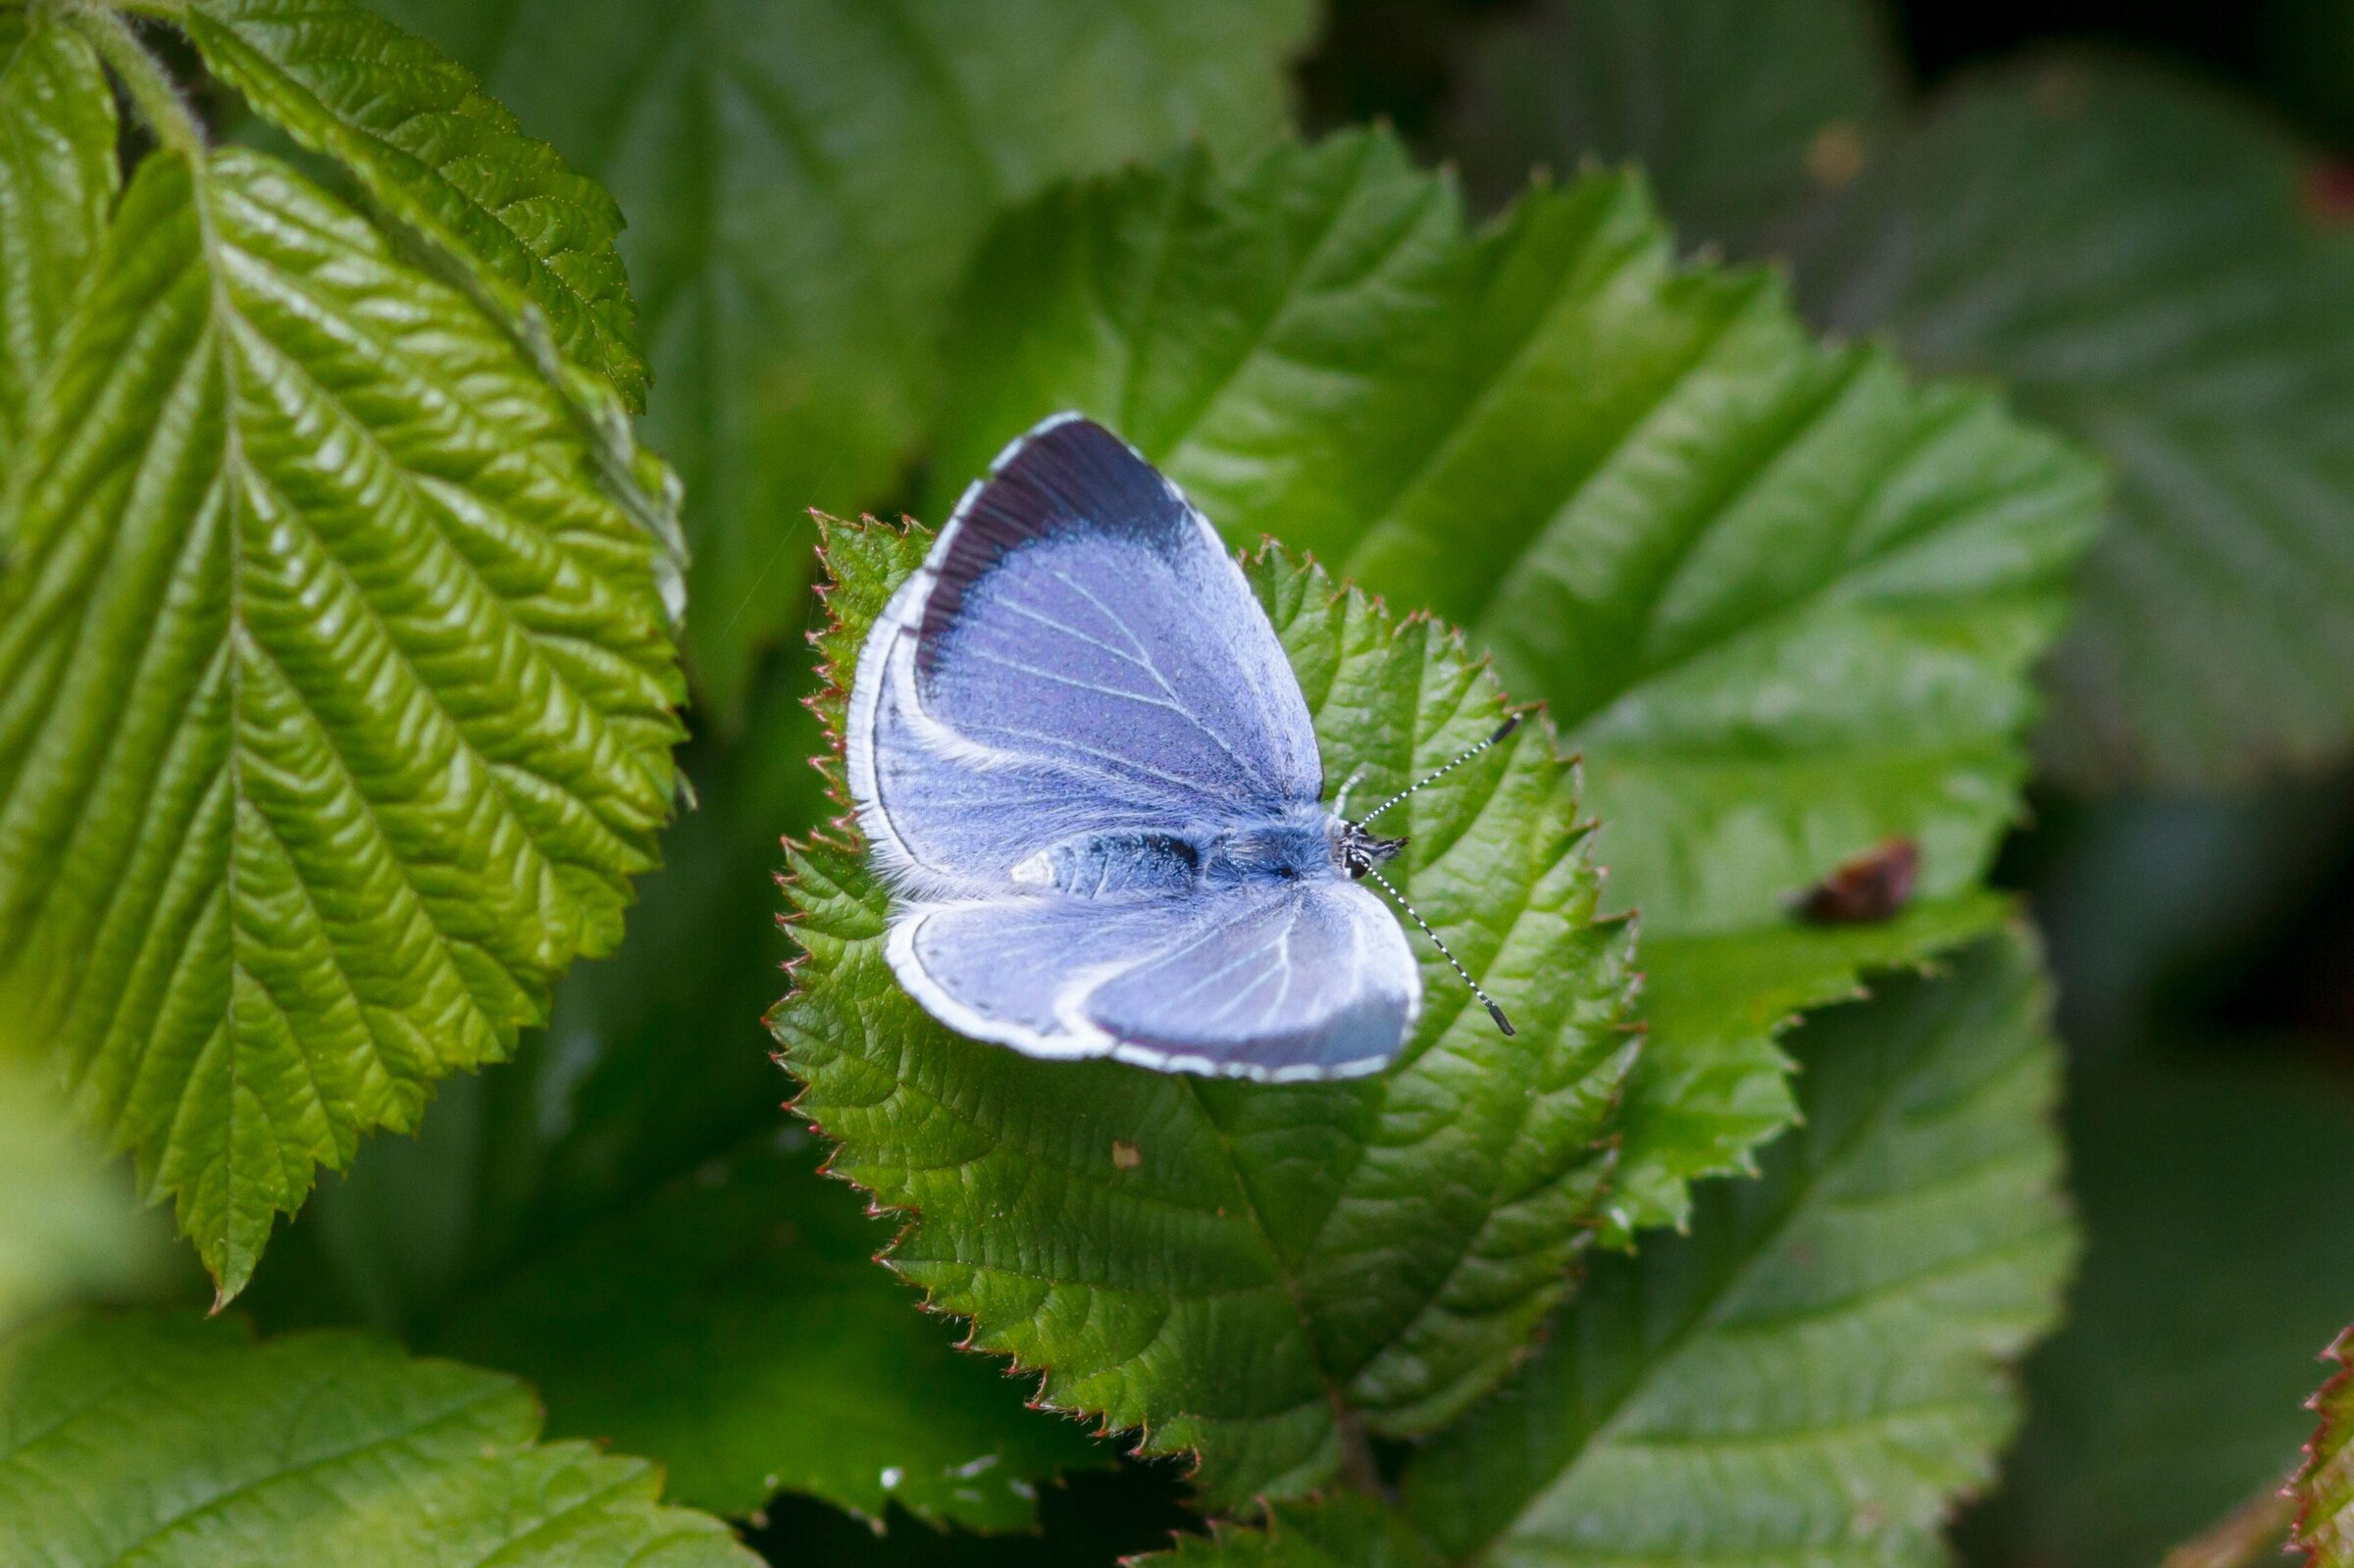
1505	729
1340	802
1415	915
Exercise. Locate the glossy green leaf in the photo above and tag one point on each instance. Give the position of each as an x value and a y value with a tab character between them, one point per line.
2324	1485
1816	1372
1735	110
334	694
1783	600
1346	1531
2139	259
805	184
178	1442
1259	1274
57	182
439	159
610	1215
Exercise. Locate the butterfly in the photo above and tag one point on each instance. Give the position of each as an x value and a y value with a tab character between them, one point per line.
1085	769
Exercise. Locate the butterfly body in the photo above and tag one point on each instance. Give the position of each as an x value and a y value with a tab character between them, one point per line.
1085	768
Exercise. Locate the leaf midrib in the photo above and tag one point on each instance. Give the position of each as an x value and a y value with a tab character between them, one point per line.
217	1502
1416	705
1765	1241
233	461
1335	1397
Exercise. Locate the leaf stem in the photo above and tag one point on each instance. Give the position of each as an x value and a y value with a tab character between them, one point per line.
1359	1470
149	85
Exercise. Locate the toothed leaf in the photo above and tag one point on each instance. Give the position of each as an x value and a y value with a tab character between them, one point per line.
806	183
334	693
439	158
2324	1487
1248	1271
1818	1370
1783	601
1345	1530
2143	262
183	1443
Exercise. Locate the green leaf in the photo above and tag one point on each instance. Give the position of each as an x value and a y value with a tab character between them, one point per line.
1260	1274
2206	1286
611	1214
334	694
179	1442
2324	1485
58	176
1814	1373
2138	259
1734	109
1784	602
806	182
437	158
735	1325
1345	1530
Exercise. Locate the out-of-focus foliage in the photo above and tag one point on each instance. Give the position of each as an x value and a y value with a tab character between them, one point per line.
1735	110
2173	1391
735	1324
2142	262
67	1228
1344	1532
180	1442
806	183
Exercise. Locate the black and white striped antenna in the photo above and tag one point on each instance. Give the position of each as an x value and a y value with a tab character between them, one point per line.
1411	913
1414	915
1426	781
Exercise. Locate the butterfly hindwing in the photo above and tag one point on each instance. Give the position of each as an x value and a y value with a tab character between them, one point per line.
1305	981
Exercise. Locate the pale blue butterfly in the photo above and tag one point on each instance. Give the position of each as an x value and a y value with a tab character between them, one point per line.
1086	769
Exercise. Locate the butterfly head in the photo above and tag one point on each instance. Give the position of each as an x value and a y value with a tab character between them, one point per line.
1358	849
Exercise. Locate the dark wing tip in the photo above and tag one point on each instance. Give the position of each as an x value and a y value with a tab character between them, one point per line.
1066	474
1069	470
